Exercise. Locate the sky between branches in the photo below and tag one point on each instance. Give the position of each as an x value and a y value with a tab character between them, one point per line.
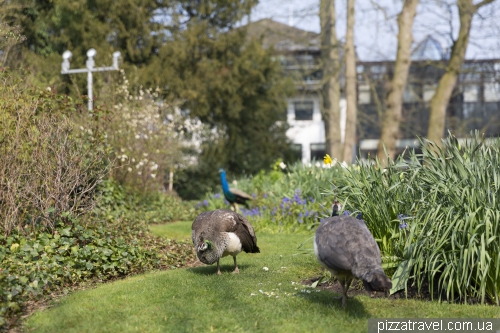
376	26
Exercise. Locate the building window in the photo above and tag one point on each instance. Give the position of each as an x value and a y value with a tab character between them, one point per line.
313	76
295	153
491	92
471	92
428	92
304	110
305	60
378	69
411	93
318	151
468	110
364	94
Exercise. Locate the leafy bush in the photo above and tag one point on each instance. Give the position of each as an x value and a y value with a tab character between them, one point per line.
48	168
289	201
114	202
436	217
44	263
150	138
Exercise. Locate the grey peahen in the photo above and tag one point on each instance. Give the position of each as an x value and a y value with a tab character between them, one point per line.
233	195
222	232
345	246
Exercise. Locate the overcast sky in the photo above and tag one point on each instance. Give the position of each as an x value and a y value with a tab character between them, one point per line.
376	26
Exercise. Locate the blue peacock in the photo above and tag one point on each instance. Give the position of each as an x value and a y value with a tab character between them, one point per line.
233	195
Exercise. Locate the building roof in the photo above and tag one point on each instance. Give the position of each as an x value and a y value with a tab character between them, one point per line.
429	49
283	37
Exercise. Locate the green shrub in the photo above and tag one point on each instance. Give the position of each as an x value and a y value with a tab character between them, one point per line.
457	238
115	201
40	264
436	216
49	169
284	201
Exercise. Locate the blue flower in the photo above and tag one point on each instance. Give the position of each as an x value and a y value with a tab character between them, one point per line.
205	203
347	213
401	217
403	225
226	202
359	216
217	196
311	199
265	195
254	195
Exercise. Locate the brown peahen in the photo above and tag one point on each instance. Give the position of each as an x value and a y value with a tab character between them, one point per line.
345	246
220	233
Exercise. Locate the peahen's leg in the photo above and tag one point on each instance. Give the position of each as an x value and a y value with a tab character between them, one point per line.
345	287
236	270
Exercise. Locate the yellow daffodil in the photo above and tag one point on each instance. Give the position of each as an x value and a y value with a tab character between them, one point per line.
327	159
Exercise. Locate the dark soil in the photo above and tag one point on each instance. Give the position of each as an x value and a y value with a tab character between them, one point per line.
413	293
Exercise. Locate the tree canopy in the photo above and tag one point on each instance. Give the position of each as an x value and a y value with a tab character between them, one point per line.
196	52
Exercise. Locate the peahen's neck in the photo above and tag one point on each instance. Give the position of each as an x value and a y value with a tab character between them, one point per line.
335	210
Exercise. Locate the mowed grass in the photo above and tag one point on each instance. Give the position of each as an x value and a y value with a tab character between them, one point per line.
256	300
178	230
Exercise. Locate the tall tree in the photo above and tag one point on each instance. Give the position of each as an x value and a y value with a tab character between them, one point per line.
236	88
350	86
331	85
51	27
233	85
394	97
441	98
195	53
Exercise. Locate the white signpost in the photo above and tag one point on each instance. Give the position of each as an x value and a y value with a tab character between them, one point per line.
90	68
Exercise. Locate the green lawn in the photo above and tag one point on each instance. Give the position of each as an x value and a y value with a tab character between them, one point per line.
196	299
178	230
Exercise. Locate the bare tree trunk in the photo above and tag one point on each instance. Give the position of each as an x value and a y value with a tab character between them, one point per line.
171	180
350	86
441	98
394	98
331	85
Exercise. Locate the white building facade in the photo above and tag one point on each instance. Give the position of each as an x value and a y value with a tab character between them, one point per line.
307	129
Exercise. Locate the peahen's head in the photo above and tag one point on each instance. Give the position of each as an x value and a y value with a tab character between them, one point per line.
207	252
336	207
204	245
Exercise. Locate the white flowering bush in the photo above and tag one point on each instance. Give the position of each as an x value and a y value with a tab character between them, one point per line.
149	137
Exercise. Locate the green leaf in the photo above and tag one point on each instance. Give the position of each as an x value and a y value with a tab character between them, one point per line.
400	277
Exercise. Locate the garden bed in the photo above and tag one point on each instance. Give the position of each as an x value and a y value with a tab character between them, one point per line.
412	292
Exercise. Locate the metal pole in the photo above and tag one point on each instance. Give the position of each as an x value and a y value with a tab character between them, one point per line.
90	65
89	69
89	89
